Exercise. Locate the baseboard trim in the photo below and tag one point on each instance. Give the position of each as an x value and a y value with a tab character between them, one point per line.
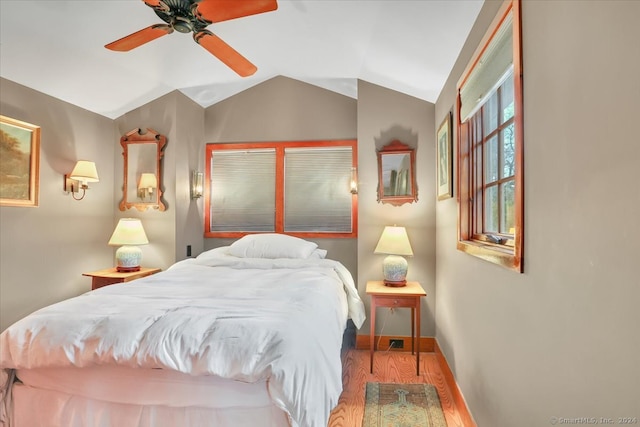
456	395
426	344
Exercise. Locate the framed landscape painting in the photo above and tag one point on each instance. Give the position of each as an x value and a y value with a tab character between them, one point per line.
19	162
445	159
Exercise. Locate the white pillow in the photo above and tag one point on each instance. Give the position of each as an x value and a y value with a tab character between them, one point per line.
271	245
218	252
318	254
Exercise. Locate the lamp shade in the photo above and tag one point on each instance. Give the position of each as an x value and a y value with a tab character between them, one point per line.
85	171
148	180
129	231
394	241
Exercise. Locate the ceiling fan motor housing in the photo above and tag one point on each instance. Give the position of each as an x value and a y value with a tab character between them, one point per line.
180	14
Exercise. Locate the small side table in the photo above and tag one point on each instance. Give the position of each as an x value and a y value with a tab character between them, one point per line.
405	296
109	276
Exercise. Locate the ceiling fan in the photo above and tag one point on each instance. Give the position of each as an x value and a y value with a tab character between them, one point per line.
193	16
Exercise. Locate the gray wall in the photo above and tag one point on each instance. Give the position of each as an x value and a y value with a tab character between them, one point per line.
169	232
384	115
44	250
560	340
189	156
159	115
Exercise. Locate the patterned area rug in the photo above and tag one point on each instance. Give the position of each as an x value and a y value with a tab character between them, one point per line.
402	405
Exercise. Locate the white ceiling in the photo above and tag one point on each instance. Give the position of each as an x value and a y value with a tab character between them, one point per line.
57	47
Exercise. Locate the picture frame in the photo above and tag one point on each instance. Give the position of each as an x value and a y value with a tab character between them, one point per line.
444	158
19	163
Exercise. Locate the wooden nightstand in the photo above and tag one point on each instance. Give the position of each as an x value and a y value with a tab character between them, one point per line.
109	276
407	297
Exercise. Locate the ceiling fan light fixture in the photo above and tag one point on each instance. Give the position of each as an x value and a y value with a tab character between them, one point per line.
181	24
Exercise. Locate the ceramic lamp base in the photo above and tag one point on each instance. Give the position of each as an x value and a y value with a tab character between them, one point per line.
127	269
128	258
395	268
395	284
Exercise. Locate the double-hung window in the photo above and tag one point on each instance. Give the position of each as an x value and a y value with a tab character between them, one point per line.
490	145
298	188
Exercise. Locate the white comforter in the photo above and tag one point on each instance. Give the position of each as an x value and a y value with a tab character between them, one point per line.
244	319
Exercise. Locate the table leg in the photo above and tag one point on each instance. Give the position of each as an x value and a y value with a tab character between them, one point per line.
418	337
413	323
372	331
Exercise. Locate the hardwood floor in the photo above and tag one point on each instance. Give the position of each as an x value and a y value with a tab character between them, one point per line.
392	366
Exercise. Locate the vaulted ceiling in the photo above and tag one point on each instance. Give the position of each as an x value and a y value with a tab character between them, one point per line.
57	47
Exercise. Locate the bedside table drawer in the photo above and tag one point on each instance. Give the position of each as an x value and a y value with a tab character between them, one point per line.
396	301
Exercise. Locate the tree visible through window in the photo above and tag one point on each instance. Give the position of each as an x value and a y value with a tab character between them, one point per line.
493	142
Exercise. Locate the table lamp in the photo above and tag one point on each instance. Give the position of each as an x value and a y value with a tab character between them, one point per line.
394	242
128	233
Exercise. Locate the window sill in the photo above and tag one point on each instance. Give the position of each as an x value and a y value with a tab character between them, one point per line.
501	255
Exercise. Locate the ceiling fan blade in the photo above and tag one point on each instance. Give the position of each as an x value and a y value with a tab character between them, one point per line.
225	53
139	38
223	10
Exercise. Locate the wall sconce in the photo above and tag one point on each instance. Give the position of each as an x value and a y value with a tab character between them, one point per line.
394	242
354	181
82	174
197	182
148	182
129	233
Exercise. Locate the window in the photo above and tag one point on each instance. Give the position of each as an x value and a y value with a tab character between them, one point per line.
242	191
297	188
490	146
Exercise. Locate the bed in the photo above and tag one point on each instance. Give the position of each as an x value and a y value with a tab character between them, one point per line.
244	335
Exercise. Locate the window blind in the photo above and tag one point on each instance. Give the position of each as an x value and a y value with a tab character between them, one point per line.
243	184
494	66
317	189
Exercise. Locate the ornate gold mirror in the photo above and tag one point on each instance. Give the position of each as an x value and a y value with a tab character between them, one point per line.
142	188
396	174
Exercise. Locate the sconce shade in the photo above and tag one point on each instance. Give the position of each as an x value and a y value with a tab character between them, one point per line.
147	183
128	233
197	182
394	242
148	180
353	184
82	174
85	172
